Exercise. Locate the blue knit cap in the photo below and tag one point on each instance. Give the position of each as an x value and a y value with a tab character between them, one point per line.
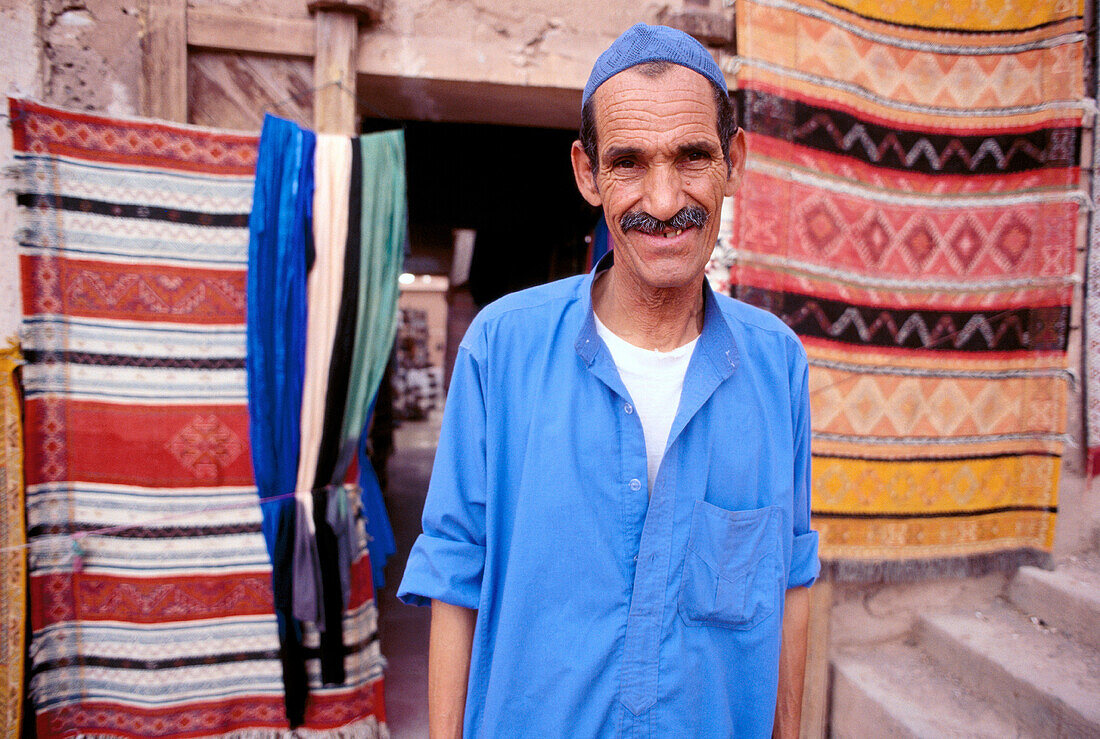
641	43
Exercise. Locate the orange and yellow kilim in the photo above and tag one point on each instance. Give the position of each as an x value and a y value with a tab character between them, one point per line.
13	537
912	209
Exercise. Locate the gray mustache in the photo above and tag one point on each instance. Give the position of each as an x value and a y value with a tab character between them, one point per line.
638	220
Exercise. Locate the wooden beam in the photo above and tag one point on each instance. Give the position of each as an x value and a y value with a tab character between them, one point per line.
367	11
212	29
334	109
709	28
164	60
459	101
815	693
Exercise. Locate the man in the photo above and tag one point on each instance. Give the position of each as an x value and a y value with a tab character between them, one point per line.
616	537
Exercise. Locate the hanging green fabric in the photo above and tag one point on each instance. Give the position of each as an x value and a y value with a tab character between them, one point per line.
383	228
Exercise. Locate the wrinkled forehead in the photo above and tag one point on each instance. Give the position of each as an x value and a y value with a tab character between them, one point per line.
642	102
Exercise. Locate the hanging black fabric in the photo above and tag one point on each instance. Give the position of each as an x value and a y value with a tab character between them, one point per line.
344	341
332	636
291	651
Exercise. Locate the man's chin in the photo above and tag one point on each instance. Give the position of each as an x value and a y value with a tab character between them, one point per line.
667	273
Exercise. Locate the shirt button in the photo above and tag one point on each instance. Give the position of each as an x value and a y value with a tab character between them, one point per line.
628	408
635	484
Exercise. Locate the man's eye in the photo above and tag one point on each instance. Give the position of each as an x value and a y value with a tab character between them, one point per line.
623	164
698	156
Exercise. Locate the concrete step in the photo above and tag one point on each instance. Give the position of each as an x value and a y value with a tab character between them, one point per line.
895	690
1067	598
1047	682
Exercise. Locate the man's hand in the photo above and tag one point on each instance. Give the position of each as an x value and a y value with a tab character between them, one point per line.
452	638
792	663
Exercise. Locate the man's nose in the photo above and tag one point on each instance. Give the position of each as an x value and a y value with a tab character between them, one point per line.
664	192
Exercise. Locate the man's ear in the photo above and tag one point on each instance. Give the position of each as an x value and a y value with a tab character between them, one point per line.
737	162
582	172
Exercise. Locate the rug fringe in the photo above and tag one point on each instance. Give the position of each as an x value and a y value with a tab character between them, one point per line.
909	570
368	728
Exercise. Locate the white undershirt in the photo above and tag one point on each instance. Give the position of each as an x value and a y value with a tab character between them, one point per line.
654	380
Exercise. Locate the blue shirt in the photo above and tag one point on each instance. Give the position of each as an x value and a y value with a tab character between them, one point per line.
601	611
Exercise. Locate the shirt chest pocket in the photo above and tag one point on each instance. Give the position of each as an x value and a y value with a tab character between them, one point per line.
732	570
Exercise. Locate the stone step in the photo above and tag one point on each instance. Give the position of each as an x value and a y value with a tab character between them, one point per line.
1047	682
1067	598
895	690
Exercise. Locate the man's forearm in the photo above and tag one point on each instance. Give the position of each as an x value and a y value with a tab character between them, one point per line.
792	663
452	638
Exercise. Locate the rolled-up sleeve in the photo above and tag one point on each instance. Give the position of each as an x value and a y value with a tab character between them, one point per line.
447	560
804	560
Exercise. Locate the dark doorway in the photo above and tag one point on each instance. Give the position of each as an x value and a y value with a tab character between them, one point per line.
513	185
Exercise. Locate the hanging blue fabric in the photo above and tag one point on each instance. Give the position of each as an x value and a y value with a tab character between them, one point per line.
280	235
279	232
380	542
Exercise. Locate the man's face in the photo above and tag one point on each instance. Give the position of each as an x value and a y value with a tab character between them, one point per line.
659	156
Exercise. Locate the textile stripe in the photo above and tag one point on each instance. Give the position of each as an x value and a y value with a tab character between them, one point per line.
966	15
971	153
1032	75
162	293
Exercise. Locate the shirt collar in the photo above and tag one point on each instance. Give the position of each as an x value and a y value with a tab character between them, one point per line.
716	341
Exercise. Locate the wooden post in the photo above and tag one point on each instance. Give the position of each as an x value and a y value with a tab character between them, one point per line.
337	32
164	60
334	72
815	693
